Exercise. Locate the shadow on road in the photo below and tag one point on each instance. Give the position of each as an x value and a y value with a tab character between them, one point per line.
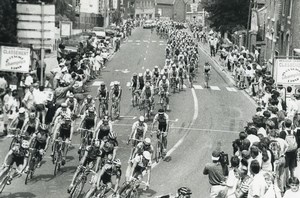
19	194
168	159
45	177
148	193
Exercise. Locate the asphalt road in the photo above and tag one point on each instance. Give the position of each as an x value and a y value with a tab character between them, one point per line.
202	119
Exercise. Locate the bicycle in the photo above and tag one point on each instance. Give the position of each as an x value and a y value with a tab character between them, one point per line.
86	139
102	110
58	153
136	98
101	192
81	180
147	109
130	189
17	138
163	101
10	174
115	110
32	164
158	153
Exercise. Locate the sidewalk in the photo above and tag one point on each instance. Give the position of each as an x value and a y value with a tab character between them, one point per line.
205	48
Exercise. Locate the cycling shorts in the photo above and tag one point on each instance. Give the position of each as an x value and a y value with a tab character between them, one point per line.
162	127
106	178
19	160
138	171
88	124
64	133
40	145
88	160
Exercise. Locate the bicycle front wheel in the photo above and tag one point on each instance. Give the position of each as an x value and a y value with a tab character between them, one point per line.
157	151
77	189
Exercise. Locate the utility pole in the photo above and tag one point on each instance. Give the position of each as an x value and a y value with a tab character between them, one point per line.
248	23
42	44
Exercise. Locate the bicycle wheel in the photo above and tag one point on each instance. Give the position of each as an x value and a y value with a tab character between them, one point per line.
124	191
14	140
3	183
57	163
77	189
157	151
28	175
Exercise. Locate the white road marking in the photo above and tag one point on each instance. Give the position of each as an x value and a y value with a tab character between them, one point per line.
216	88
176	120
129	41
138	44
162	44
231	89
184	86
128	84
161	41
137	41
198	87
145	41
97	83
134	118
145	58
153	41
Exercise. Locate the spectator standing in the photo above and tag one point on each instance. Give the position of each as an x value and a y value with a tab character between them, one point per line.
216	176
57	71
243	183
28	100
233	177
258	186
294	191
7	108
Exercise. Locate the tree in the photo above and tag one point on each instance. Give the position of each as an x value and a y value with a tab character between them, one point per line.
226	15
8	21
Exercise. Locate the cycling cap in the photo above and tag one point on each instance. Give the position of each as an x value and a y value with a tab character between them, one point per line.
147	155
156	67
147	141
64	105
89	96
141	119
102	84
117	162
91	109
184	191
25	144
164	77
161	111
147	70
112	135
71	95
32	115
140	74
22	110
43	127
134	74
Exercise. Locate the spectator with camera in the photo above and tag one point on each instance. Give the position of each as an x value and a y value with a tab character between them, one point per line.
216	176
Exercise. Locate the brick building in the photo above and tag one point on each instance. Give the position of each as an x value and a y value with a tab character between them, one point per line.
173	9
145	9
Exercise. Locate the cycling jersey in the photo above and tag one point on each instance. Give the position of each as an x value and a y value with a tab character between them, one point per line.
141	83
65	131
162	121
156	73
180	72
102	93
41	141
139	129
71	103
206	69
104	131
141	165
18	155
148	93
134	82
109	171
108	146
20	123
89	120
93	152
148	78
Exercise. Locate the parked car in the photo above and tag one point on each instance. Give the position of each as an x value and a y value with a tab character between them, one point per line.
99	31
148	24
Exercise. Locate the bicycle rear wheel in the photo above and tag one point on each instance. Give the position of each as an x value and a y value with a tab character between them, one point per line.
57	163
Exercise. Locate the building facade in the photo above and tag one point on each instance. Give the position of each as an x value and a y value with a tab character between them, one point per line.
145	9
195	12
172	9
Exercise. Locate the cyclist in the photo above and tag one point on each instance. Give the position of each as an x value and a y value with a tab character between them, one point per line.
181	74
30	126
163	126
17	154
141	82
103	95
104	176
42	140
174	75
191	72
155	75
143	146
115	94
164	87
148	94
184	192
166	71
61	112
206	72
87	102
168	62
92	154
133	86
148	76
72	103
138	132
139	166
65	130
103	128
109	146
19	119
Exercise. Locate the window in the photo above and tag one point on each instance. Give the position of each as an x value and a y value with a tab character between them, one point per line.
290	8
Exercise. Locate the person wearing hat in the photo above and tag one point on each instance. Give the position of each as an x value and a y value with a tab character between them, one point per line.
244	182
216	176
65	78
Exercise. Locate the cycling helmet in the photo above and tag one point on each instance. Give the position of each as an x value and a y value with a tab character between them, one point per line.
32	115
184	191
147	85
67	118
161	111
155	67
112	135
64	105
147	141
147	70
134	74
89	97
102	84
162	73
164	77
140	75
22	110
147	155
165	67
91	109
71	95
206	63
96	143
116	83
117	162
141	119
174	65
105	119
25	144
43	127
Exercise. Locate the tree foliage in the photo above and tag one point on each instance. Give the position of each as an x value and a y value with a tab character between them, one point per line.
226	15
8	21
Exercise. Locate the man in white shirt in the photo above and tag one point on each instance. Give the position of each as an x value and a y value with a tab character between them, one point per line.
57	74
40	101
258	186
28	99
